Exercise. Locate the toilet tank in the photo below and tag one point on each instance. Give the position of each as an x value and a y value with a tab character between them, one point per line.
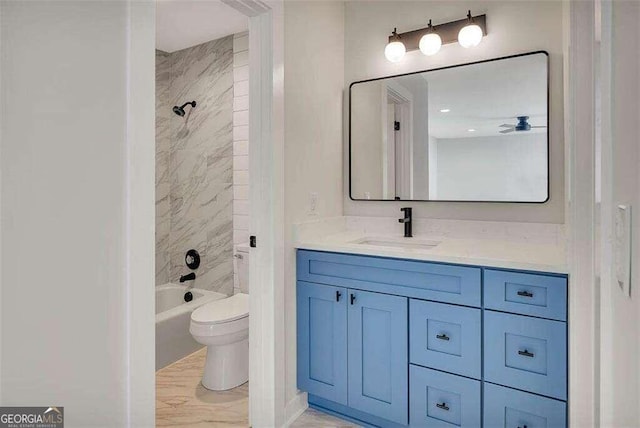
242	267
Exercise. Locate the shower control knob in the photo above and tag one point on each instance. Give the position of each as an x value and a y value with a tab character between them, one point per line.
192	259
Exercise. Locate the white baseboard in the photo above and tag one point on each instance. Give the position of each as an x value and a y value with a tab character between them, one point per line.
295	408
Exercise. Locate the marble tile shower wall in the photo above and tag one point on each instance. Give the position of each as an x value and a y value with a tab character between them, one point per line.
198	165
163	147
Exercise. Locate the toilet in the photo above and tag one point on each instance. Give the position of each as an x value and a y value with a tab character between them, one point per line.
223	326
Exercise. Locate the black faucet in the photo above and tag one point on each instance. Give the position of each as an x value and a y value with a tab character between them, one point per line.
188	277
407	220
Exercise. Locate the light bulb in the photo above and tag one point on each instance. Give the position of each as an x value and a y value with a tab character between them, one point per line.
395	50
430	44
470	36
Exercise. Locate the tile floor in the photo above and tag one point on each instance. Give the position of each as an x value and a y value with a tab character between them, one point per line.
181	401
312	418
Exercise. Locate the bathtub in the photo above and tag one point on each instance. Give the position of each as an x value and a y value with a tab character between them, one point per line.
173	315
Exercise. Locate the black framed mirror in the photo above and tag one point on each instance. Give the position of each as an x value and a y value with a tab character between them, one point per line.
475	132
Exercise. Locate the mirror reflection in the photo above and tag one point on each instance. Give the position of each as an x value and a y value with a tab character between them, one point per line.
475	132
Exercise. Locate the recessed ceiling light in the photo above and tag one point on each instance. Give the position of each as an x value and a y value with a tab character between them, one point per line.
471	130
445	110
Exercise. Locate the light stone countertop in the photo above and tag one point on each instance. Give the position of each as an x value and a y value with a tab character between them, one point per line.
477	252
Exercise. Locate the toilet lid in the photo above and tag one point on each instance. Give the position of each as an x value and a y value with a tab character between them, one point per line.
223	310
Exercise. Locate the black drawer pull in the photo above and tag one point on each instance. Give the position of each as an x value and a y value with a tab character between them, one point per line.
525	293
526	353
523	426
338	295
442	337
442	406
353	298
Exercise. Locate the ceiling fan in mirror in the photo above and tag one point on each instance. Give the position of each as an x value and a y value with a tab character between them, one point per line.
522	125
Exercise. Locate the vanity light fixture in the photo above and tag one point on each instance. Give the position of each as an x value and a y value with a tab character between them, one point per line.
445	110
471	34
431	42
471	130
468	32
395	49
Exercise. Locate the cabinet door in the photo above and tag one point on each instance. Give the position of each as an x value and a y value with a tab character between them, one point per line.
378	360
322	341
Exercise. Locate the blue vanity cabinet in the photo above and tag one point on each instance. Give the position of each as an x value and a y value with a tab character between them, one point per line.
378	342
395	343
322	341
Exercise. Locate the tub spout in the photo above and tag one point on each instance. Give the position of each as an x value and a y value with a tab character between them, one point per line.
188	277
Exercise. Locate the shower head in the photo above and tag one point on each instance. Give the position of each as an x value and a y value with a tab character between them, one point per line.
180	110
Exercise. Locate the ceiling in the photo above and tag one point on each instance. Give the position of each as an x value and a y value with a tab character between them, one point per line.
484	96
181	24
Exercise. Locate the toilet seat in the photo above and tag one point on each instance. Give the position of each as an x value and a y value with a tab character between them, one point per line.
222	311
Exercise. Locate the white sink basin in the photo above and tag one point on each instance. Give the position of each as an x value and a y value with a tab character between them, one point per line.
405	243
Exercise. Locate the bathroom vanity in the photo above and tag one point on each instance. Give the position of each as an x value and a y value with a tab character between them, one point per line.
393	341
430	331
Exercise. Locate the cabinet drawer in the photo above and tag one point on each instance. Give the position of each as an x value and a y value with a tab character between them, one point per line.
526	353
431	281
525	293
505	407
438	399
445	337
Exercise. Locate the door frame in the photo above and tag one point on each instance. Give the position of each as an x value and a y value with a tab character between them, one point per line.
400	152
266	190
266	197
584	359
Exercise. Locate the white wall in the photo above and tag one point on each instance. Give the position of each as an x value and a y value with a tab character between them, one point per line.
240	143
77	217
368	141
514	27
314	81
510	167
620	324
